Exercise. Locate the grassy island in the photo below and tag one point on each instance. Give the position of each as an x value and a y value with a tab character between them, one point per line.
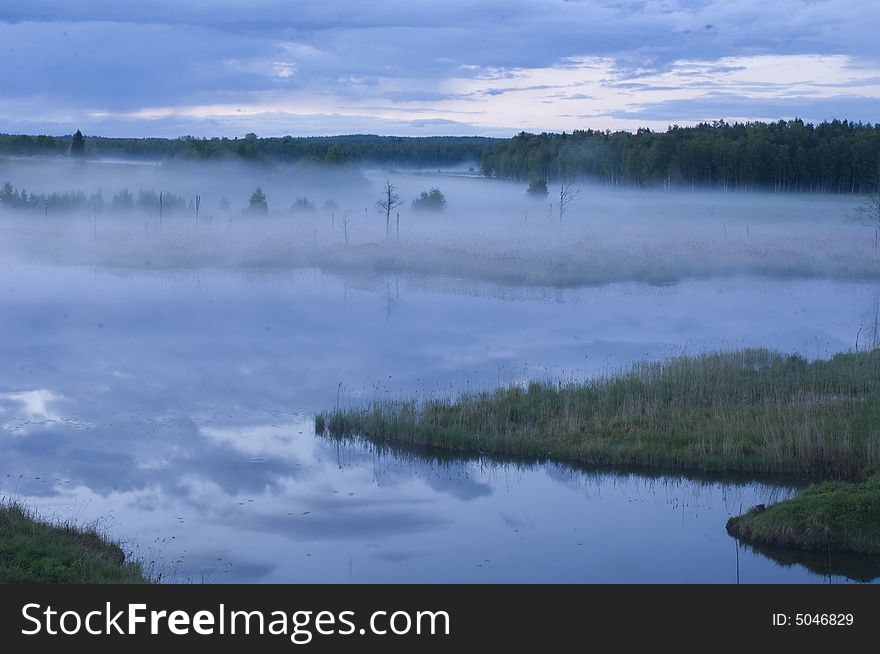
837	516
752	411
36	552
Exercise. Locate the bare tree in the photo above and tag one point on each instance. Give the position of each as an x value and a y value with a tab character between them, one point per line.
389	202
870	216
567	195
870	210
345	227
875	323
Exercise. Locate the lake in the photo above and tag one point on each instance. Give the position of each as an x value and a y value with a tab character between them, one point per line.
175	409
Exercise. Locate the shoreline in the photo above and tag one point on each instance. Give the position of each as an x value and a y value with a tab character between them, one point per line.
831	516
752	412
34	550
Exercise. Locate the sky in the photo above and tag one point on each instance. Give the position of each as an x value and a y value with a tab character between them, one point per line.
406	67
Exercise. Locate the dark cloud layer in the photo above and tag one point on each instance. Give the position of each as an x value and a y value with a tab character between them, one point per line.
275	67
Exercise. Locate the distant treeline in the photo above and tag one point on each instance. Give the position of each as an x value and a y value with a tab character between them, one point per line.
331	150
68	201
835	157
831	157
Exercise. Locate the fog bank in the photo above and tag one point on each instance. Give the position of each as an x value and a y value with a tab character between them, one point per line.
489	230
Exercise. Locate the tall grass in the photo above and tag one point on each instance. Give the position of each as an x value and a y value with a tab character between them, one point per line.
835	516
33	551
748	411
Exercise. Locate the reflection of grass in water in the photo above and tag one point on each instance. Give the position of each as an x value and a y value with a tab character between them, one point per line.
748	411
36	552
834	516
858	567
409	456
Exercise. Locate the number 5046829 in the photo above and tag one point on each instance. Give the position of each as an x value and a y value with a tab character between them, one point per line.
823	619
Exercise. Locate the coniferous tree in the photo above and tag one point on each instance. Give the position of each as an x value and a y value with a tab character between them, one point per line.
258	203
78	145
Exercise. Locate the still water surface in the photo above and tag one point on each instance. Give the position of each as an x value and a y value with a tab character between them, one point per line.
176	410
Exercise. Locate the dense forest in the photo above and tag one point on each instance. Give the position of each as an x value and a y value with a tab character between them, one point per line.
398	150
831	157
835	157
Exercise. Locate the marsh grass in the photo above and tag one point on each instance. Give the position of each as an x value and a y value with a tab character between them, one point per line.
752	411
834	516
33	551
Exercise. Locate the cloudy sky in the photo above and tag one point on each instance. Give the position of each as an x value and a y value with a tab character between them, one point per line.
491	67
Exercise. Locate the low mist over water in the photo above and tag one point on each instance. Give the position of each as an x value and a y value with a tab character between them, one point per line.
162	365
489	230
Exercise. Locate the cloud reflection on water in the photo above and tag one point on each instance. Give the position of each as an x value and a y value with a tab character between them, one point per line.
181	413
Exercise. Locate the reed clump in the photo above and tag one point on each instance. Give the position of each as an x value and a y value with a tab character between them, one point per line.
754	411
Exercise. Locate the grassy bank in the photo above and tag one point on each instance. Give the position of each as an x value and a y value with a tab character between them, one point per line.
751	411
833	516
36	552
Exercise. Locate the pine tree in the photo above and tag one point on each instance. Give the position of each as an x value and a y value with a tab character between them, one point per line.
78	145
258	203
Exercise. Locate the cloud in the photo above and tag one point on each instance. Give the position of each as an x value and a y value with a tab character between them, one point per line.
229	67
731	107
